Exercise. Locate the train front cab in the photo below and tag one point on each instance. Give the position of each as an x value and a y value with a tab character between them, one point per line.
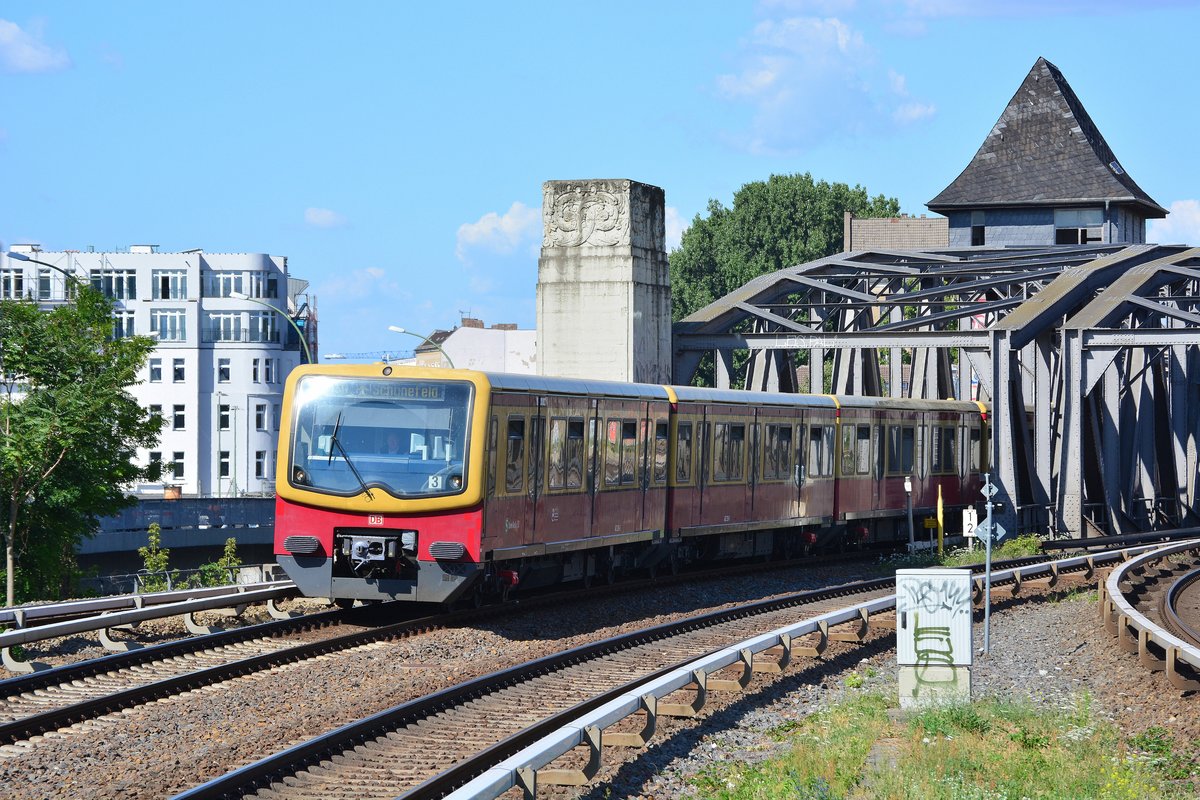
380	481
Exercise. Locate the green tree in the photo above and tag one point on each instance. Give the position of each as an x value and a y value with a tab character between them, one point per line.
69	430
774	224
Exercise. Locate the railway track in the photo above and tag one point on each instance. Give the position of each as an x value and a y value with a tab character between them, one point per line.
47	700
1151	604
429	746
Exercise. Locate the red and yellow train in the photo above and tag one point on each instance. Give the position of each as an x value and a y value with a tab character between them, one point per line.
428	484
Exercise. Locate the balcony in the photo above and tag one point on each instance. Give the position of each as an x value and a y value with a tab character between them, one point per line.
216	335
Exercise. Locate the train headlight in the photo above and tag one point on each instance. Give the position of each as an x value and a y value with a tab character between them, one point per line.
456	481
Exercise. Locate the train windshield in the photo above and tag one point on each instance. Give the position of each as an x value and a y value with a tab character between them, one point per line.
407	438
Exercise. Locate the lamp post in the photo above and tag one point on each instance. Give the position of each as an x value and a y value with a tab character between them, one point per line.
426	339
908	494
308	359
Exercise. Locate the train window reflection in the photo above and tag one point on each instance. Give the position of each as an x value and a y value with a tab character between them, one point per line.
683	453
514	460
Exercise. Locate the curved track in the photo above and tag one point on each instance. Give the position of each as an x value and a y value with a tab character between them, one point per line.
1151	604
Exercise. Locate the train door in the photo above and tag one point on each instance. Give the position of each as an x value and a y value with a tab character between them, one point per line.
535	463
620	467
563	505
509	512
654	514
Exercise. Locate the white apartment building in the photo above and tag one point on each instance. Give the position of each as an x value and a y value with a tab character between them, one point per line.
225	346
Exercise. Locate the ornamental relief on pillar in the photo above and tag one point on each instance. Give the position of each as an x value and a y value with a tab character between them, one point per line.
595	213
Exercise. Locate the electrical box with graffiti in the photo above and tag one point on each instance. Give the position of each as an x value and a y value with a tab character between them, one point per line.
933	635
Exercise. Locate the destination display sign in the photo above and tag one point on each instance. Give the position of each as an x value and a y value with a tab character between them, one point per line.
418	391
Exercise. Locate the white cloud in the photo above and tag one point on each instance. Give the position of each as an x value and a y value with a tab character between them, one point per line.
1182	225
24	51
808	79
912	112
498	233
323	218
676	225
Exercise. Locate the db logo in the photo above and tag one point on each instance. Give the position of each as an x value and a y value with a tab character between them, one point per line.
375	519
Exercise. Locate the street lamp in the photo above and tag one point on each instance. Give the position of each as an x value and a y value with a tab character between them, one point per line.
908	494
308	359
398	329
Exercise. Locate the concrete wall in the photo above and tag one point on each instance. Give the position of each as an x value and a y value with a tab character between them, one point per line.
603	295
493	349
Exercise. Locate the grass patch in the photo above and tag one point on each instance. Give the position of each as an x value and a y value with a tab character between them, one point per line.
990	750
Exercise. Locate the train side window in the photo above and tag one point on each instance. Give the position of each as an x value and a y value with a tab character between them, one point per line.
847	449
514	459
720	449
935	449
908	439
877	447
893	449
629	460
536	427
737	452
919	459
575	453
862	461
820	451
556	467
612	454
777	454
660	452
950	443
683	453
491	464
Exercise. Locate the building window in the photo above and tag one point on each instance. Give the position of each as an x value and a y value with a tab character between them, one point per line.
1078	225
275	415
260	463
269	370
169	323
155	463
222	370
225	327
119	284
223	464
44	291
263	284
156	410
223	417
977	228
178	372
178	418
170	284
12	284
122	324
156	370
260	416
222	284
262	326
254	371
177	464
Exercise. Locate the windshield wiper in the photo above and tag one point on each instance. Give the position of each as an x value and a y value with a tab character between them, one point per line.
333	440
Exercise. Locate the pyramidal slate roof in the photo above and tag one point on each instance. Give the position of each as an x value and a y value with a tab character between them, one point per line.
1044	151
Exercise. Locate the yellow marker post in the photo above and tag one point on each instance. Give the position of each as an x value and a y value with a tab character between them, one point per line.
940	521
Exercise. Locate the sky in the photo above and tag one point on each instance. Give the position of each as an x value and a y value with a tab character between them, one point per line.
394	152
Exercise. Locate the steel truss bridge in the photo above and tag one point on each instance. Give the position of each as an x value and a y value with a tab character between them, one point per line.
1088	355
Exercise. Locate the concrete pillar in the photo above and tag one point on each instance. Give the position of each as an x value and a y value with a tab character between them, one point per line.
603	293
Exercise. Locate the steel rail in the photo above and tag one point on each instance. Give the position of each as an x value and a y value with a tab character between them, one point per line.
1137	634
261	774
66	673
1170	603
280	591
23	616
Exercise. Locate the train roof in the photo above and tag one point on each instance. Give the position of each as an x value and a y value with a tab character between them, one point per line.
510	382
697	394
907	403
